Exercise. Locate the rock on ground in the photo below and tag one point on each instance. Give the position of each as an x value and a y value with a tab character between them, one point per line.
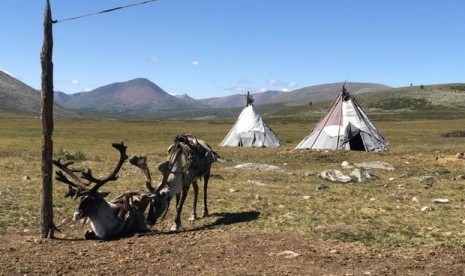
335	176
375	165
259	167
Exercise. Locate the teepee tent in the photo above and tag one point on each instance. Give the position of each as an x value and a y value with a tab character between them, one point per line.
345	127
250	130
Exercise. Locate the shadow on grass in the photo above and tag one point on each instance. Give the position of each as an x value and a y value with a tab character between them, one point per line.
222	219
232	218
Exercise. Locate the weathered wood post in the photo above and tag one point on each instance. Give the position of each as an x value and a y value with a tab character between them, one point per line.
46	204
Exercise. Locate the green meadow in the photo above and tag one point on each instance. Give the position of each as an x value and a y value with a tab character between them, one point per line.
382	211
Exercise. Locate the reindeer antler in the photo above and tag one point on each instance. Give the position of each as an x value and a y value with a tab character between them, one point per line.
78	185
141	163
75	188
71	172
87	174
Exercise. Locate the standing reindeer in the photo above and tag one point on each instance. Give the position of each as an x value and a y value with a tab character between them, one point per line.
122	216
189	160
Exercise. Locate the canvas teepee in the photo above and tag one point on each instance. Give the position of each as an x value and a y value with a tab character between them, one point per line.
345	127
250	130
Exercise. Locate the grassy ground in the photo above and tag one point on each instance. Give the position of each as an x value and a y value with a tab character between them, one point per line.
383	211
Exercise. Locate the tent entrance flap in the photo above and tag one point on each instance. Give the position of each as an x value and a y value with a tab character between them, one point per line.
354	138
356	143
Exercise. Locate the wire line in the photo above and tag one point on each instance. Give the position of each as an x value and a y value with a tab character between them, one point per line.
104	11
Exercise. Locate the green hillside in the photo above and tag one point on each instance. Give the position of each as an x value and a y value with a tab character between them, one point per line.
416	102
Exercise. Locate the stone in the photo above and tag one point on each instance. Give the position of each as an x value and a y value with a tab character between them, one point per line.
259	167
424	209
321	187
375	165
360	175
335	176
441	200
256	182
288	254
346	165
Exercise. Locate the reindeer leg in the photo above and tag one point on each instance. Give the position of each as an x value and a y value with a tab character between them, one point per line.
178	197
196	196
206	177
90	235
177	226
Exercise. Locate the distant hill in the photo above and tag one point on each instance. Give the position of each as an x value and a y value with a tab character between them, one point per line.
322	92
441	101
427	97
296	97
19	99
134	95
238	100
142	99
191	101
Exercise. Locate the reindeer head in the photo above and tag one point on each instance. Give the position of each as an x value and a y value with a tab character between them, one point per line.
158	207
78	187
160	199
89	204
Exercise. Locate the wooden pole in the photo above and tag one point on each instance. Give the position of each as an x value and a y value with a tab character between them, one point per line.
46	204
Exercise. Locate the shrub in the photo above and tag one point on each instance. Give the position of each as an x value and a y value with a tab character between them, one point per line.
65	155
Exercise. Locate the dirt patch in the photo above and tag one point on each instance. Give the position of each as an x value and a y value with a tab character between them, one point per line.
449	159
457	133
217	251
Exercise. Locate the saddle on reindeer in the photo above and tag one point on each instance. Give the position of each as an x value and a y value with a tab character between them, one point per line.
189	159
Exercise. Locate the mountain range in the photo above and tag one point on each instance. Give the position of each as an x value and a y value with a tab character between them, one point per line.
19	99
141	98
134	95
143	95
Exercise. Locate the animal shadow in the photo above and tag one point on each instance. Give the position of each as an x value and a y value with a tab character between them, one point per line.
232	218
223	219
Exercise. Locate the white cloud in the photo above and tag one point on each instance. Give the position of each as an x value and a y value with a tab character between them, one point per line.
292	84
243	82
282	85
273	82
88	89
262	89
69	82
236	89
244	85
195	63
154	58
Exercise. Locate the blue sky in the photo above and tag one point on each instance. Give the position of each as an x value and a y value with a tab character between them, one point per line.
209	48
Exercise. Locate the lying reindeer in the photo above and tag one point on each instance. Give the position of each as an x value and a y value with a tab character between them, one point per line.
122	216
190	159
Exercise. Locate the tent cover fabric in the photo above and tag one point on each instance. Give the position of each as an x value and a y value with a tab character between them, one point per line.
250	131
345	127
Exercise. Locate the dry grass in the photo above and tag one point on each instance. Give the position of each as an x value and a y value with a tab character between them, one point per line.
378	212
